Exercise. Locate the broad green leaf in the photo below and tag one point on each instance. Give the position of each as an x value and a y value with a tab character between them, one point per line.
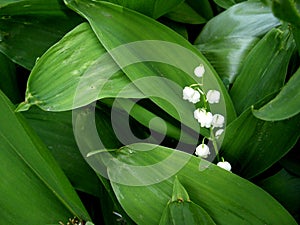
203	7
181	210
152	8
151	57
55	129
217	191
252	145
285	105
33	189
185	14
38	29
284	187
225	3
264	69
228	37
177	213
286	10
59	75
26	7
8	79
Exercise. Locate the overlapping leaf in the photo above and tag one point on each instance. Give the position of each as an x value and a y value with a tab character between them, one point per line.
152	8
285	105
38	24
184	13
128	45
55	129
33	188
252	145
57	80
264	69
228	37
285	187
205	183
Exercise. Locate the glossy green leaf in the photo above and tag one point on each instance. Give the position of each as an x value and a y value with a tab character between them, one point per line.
225	3
227	38
39	27
148	62
184	13
8	79
287	10
180	210
55	129
264	70
286	189
285	105
33	189
216	190
55	83
26	7
252	145
177	213
152	8
203	7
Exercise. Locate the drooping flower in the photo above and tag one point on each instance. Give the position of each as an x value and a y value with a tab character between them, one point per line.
202	150
213	96
225	165
191	95
203	117
218	133
218	120
199	70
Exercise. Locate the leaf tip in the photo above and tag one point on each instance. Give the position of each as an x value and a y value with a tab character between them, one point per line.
24	106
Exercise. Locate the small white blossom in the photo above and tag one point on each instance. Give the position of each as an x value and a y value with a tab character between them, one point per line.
203	117
225	165
191	95
213	96
218	120
202	151
199	70
218	133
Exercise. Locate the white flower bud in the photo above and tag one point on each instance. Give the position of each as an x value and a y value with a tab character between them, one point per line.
203	117
218	120
213	96
191	95
202	151
199	70
218	133
225	165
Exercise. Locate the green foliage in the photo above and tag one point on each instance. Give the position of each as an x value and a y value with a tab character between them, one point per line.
104	136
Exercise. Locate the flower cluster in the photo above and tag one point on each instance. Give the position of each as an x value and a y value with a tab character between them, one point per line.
204	117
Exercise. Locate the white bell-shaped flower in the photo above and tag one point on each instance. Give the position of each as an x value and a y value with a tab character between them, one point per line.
203	117
199	71
202	151
213	96
191	95
225	165
218	120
